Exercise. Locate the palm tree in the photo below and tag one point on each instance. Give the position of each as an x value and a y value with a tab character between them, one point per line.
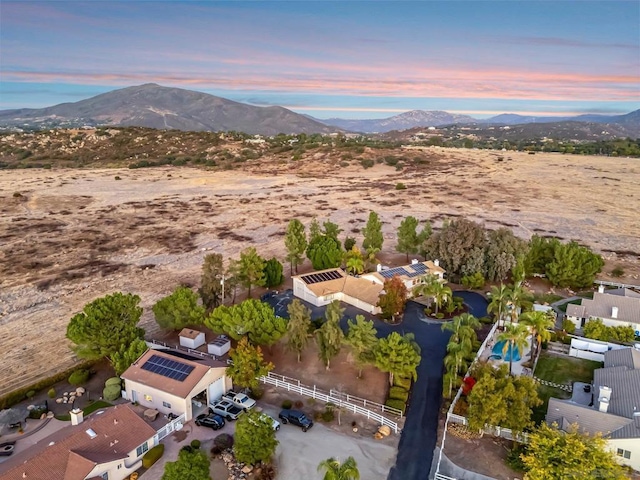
463	329
425	287
456	359
334	470
515	339
441	293
355	265
499	301
515	299
538	323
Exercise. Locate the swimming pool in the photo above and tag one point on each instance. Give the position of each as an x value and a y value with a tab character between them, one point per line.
497	350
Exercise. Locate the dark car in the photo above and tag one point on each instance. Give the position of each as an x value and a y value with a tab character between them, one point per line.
296	417
212	421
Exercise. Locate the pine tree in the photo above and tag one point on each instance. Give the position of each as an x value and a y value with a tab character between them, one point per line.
408	240
297	336
361	337
251	269
295	242
329	336
372	232
248	365
211	280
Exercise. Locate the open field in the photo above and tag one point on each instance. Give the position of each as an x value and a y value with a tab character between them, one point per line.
69	236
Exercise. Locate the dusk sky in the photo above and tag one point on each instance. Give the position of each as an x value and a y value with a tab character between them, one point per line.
332	59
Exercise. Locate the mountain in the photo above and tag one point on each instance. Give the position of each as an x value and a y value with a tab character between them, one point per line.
414	118
154	106
630	119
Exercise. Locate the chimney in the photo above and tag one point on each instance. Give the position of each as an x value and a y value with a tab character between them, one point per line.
604	399
76	416
601	289
614	312
378	267
436	262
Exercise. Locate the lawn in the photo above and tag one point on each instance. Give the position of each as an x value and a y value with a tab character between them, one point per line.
565	369
97	405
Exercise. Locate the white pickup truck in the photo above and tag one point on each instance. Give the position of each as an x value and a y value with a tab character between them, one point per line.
240	400
226	409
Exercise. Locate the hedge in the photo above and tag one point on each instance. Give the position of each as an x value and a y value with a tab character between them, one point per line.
404	382
152	456
397	404
79	377
113	381
111	392
398	393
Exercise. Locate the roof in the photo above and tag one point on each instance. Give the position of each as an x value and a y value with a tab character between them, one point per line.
624	383
189	333
74	454
406	272
628	357
357	287
136	373
602	304
589	419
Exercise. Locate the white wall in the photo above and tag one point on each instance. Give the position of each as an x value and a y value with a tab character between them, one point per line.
127	465
178	405
598	357
630	444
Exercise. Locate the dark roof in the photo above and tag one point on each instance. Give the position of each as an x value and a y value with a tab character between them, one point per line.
627	357
602	305
590	420
624	383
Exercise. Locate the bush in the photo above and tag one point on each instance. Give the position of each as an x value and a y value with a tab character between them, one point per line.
397	404
287	404
152	456
568	326
617	272
111	392
298	404
328	415
474	281
256	393
513	458
398	393
566	340
113	381
400	381
195	444
440	315
79	377
367	163
51	393
223	441
553	337
187	448
400	186
117	178
31	393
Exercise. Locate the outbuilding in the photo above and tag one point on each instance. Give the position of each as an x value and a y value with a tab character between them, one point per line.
191	338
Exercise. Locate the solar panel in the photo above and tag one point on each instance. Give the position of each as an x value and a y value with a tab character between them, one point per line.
321	277
393	272
168	368
419	267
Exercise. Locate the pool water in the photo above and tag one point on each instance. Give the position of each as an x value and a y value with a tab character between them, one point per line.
497	350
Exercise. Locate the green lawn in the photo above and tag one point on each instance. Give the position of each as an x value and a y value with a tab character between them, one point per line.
97	405
564	369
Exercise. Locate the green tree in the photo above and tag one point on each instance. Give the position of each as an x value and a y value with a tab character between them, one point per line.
248	365
516	296
295	242
499	302
253	318
361	337
571	455
354	261
501	253
463	329
515	339
273	273
324	252
211	280
330	336
408	239
105	326
191	465
255	439
394	298
460	348
179	310
251	269
231	280
573	266
441	294
123	358
372	232
540	254
349	243
454	361
539	323
331	230
297	336
398	355
423	238
334	470
474	281
314	230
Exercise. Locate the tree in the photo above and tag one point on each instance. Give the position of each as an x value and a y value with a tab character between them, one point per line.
314	230
373	233
553	453
273	273
330	336
251	269
324	252
408	239
179	310
423	237
354	261
573	266
297	336
499	301
253	318
105	326
538	323
295	241
516	300
349	243
232	280
334	470
248	365
211	280
441	294
394	298
255	439
191	465
462	329
361	337
454	361
515	339
501	253
331	230
123	358
459	348
398	355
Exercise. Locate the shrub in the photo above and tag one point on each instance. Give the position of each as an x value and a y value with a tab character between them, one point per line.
31	393
187	448
617	272
568	326
256	393
223	441
79	377
298	404
328	415
398	393
152	456
440	315
474	281
400	186
113	381
111	392
486	320
51	393
366	163
17	194
397	404
513	458
287	404
117	178
400	381
195	444
216	450
566	340
553	337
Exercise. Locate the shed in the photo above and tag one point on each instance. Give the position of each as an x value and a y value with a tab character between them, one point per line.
219	346
191	338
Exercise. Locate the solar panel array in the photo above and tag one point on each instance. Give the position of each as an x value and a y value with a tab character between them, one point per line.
419	269
168	368
312	278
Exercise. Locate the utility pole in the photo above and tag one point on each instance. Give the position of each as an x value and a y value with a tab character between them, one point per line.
222	283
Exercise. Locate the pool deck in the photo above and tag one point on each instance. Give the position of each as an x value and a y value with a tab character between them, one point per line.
517	368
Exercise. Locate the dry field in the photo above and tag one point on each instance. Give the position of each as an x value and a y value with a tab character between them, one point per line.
73	235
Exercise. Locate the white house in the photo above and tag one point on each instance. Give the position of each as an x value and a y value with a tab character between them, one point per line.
191	338
619	307
612	409
108	445
171	381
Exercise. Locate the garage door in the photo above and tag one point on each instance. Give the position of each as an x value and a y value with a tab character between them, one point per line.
216	389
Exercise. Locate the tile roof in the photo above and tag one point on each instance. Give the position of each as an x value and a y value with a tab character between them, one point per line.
624	383
629	357
408	271
575	310
602	304
74	454
357	287
590	420
189	333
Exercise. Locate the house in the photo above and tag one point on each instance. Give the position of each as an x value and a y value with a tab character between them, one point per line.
108	445
191	338
322	287
612	407
619	307
172	381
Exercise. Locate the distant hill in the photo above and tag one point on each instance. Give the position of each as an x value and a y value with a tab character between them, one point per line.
631	119
414	118
154	106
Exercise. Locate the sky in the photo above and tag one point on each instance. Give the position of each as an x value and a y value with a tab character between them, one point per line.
332	59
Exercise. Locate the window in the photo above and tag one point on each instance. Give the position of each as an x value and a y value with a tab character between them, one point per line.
119	466
148	398
624	453
105	476
142	449
166	404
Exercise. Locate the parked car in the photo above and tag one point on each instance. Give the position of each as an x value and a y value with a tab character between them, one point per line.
212	421
226	409
296	417
274	423
240	400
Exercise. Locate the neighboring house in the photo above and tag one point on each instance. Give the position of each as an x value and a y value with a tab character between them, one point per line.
612	408
172	381
619	307
324	286
105	446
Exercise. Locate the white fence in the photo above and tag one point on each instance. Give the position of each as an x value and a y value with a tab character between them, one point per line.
170	427
365	403
491	430
313	392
